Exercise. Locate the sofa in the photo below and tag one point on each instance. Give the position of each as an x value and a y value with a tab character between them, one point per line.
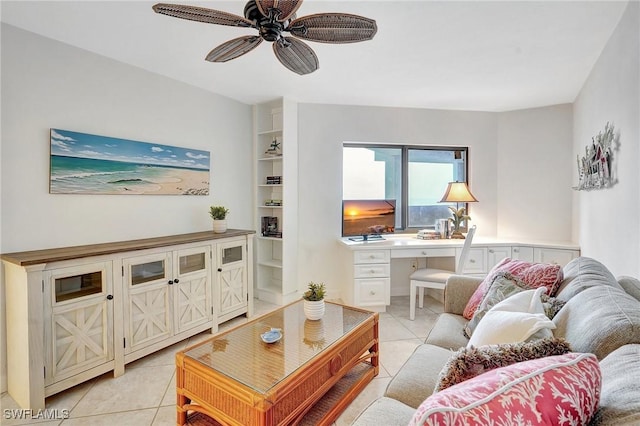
600	316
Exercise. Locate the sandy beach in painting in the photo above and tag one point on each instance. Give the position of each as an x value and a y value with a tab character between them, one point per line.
186	182
88	176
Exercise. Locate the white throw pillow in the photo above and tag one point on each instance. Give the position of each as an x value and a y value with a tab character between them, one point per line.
513	320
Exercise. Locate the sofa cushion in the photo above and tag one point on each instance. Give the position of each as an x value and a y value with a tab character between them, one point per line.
506	284
582	273
468	363
448	332
563	389
385	411
599	320
418	376
533	274
515	319
620	397
630	285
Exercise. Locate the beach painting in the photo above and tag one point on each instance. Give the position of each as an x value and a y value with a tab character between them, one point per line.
89	164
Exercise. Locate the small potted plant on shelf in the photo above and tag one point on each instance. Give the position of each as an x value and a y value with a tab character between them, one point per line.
314	301
219	216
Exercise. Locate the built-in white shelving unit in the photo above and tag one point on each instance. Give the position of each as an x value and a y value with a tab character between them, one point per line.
276	200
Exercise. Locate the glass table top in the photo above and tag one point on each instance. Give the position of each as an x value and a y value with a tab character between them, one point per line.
242	355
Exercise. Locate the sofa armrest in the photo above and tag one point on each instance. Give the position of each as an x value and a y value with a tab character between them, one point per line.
458	291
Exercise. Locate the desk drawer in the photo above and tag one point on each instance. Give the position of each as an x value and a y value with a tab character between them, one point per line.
372	292
424	252
476	261
373	270
371	256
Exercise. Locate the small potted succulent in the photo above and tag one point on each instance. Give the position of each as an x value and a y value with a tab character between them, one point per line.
219	216
314	301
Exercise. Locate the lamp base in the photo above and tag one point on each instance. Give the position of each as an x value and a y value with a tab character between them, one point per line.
457	235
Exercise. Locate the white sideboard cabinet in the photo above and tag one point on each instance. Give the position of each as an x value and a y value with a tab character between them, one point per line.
77	312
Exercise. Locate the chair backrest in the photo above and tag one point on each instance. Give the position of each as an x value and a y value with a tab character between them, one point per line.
465	250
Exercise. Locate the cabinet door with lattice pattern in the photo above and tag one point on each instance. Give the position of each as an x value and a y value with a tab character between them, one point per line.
231	281
78	319
192	286
148	282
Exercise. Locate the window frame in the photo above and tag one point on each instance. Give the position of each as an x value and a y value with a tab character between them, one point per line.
404	181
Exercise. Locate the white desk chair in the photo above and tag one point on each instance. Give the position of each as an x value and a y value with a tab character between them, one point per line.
435	278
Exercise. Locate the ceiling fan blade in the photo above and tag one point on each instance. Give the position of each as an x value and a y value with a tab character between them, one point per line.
295	55
201	14
286	8
333	28
233	48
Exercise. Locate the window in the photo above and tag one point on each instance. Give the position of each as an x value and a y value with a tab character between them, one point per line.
415	176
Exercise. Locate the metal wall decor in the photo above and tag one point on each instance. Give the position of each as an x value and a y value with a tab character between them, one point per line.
595	168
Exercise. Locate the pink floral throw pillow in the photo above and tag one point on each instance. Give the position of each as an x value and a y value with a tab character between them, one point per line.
533	275
556	390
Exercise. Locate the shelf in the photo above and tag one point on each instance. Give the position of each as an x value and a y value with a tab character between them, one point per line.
271	263
270	132
270	207
270	185
270	239
274	158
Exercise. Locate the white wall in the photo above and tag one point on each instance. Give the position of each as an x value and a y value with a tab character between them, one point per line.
533	134
49	84
607	220
534	173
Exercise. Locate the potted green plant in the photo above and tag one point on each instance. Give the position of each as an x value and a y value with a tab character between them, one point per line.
314	301
219	216
459	216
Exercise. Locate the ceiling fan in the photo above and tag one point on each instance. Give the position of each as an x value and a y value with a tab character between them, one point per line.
273	18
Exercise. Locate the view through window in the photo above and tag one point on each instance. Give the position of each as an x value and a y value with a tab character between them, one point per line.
416	177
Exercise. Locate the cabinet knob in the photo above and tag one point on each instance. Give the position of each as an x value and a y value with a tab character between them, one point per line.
219	269
373	271
516	250
373	293
170	282
371	256
109	296
424	253
472	261
176	281
490	250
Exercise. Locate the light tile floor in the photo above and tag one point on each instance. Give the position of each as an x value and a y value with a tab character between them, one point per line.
145	394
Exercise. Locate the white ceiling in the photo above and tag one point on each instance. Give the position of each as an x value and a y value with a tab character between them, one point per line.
472	55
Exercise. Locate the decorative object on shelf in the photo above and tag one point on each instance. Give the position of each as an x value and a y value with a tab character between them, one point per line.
273	203
458	192
274	180
82	163
272	335
219	216
595	168
314	301
273	19
274	149
270	227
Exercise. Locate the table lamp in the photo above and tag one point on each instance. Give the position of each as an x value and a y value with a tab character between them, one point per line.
458	192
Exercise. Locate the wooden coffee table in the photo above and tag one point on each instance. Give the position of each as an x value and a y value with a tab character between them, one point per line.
309	376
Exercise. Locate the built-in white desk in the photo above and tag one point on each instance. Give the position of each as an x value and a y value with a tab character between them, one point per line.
367	265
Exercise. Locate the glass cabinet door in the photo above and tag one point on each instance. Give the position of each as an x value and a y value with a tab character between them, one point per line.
232	254
150	271
74	286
